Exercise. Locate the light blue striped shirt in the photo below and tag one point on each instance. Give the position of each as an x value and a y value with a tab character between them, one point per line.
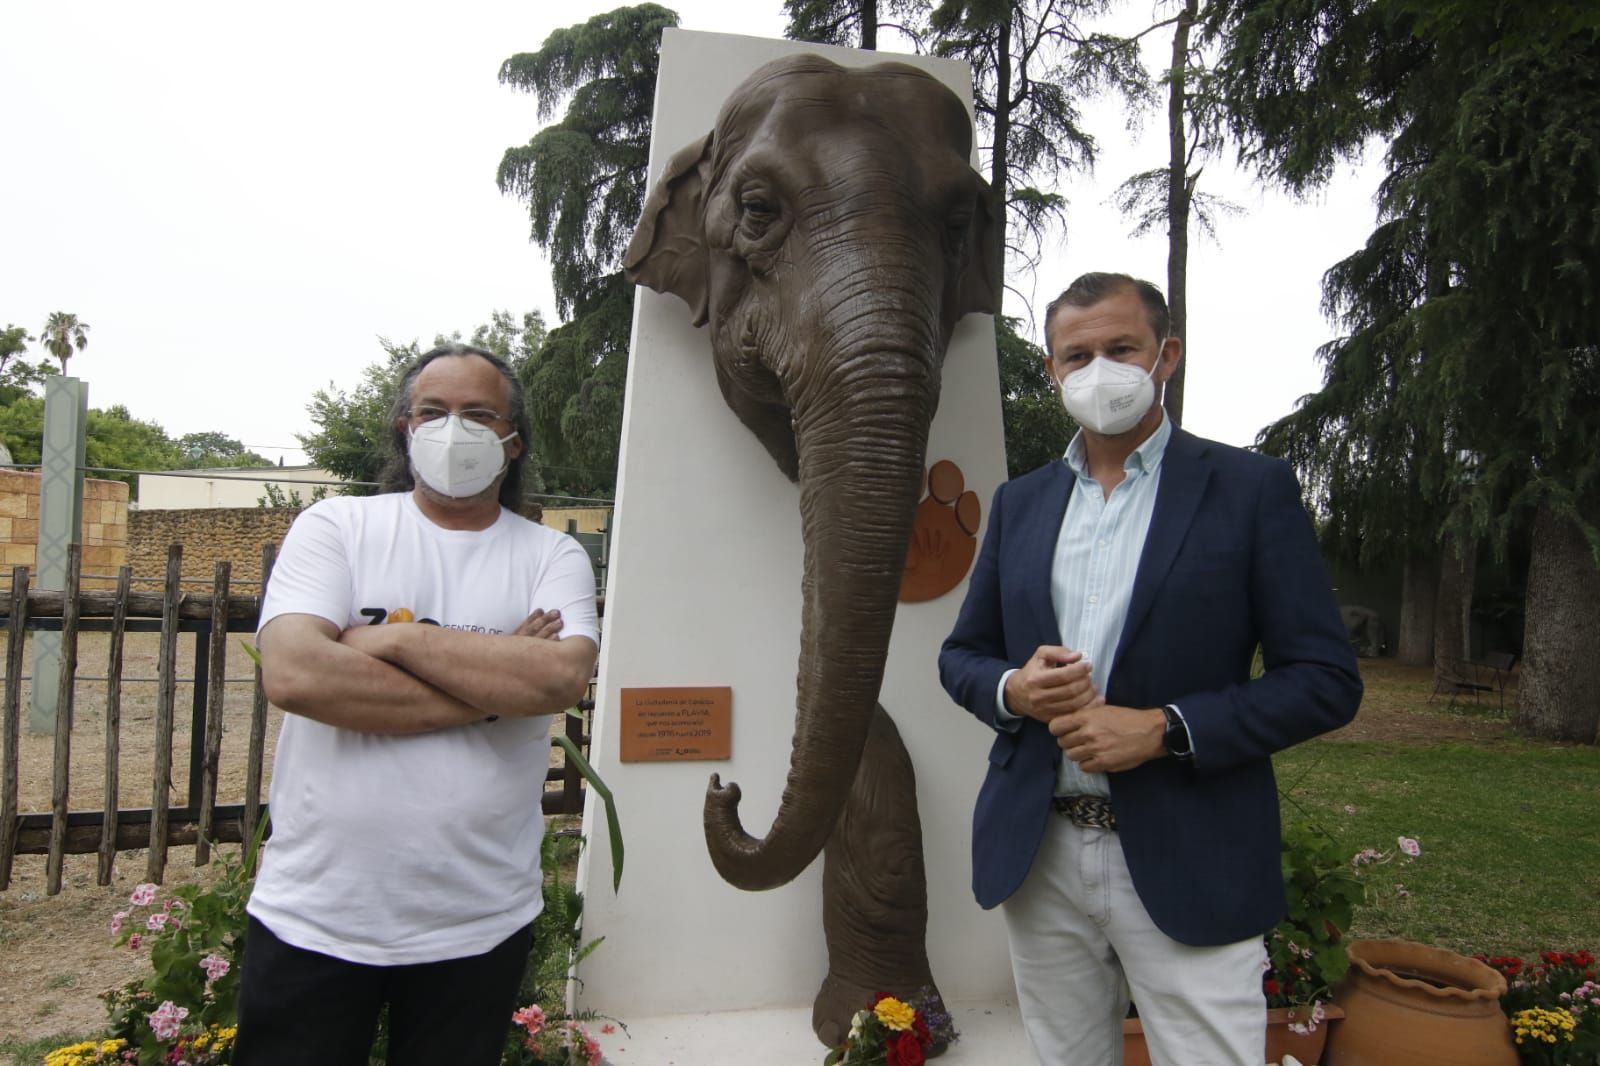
1091	578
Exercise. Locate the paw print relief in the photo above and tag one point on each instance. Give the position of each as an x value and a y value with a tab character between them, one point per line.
943	536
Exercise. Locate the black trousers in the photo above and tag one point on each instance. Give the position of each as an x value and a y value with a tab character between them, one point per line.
303	1008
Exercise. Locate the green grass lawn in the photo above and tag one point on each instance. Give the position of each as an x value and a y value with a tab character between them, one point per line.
1509	828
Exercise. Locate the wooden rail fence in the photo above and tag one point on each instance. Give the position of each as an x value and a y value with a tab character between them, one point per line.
200	821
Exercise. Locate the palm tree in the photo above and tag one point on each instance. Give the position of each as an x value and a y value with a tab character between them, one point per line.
62	332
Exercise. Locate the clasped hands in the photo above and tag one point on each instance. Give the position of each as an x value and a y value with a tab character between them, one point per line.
1054	687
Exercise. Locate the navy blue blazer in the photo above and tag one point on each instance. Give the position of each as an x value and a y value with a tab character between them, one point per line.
1230	562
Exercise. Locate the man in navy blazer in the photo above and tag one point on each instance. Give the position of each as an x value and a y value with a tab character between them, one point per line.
1112	617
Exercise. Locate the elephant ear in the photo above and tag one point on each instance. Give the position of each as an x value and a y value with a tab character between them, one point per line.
979	290
668	250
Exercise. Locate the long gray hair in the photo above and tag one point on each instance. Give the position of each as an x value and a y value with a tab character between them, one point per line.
396	475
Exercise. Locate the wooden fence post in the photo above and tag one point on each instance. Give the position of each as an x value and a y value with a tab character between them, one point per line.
61	783
166	692
108	827
16	632
216	687
258	718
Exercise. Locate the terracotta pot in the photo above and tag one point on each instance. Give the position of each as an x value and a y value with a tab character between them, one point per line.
1408	1004
1281	1041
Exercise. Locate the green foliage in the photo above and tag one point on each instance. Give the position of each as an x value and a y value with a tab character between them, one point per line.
62	333
574	385
1306	948
276	498
195	941
1471	308
584	181
852	23
13	342
116	440
515	342
213	449
1037	427
353	428
1034	63
583	177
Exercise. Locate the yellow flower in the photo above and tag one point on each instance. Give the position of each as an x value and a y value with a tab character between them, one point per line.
894	1014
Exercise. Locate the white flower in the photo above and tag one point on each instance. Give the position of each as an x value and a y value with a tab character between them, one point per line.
143	895
1410	847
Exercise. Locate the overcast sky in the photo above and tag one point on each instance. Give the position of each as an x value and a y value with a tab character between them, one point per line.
241	200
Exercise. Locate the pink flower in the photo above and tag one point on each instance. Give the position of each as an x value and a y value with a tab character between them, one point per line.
1364	856
143	895
116	922
1410	847
134	941
155	922
1400	890
608	1028
530	1018
215	966
166	1019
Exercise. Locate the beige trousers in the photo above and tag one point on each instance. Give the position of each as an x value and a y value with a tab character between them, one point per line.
1081	942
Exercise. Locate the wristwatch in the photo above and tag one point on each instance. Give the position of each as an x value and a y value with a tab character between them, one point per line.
1176	738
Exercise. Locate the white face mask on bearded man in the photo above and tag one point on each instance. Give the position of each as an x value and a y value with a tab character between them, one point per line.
457	458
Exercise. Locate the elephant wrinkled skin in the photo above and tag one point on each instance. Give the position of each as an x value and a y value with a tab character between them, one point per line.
831	231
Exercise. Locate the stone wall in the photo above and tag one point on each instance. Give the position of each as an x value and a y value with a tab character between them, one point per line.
105	525
208	536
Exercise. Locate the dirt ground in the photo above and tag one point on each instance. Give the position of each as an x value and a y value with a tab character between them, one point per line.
56	954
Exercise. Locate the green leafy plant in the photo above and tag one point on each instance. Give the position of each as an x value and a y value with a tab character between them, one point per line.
188	1004
553	1038
1324	885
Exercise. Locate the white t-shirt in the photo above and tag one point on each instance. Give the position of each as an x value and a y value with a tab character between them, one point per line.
392	850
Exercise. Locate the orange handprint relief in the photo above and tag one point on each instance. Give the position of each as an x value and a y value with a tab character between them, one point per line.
943	538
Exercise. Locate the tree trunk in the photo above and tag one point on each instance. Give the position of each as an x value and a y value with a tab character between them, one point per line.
869	25
1179	194
1452	627
1558	697
1419	595
1000	157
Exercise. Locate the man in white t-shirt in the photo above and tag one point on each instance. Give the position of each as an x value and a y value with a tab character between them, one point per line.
419	641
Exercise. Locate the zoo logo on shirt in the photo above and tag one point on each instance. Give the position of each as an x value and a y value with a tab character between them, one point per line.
377	616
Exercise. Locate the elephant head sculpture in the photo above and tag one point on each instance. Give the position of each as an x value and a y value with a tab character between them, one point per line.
831	231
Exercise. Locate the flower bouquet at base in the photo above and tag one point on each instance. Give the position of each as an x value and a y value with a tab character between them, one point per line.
892	1032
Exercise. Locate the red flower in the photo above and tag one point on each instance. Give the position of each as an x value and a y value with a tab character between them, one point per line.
1272	987
920	1027
903	1050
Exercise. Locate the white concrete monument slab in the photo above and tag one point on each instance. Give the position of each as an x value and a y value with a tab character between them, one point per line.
705	592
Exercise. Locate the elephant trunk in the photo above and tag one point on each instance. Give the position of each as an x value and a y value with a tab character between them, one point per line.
861	445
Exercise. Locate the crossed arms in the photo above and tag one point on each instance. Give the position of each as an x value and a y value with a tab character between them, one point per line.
416	678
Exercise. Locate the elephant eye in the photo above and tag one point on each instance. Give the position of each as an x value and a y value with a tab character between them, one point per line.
756	212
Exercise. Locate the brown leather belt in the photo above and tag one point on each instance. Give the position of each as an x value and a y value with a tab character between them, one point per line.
1090	812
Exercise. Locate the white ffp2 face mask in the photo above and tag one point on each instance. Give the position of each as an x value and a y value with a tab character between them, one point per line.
1109	397
457	458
